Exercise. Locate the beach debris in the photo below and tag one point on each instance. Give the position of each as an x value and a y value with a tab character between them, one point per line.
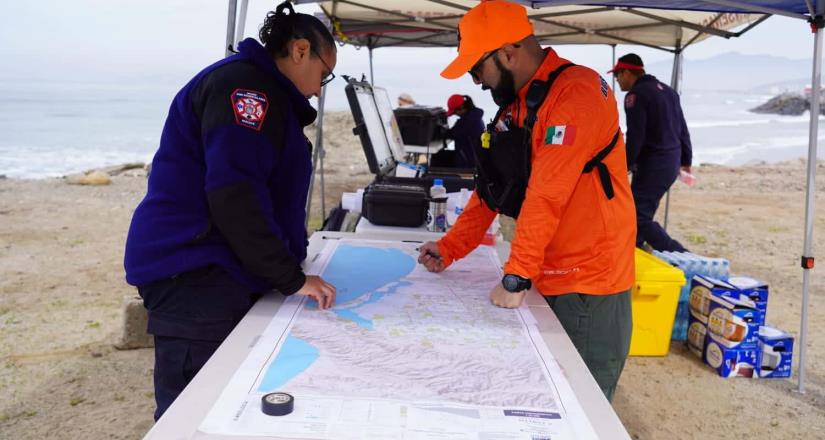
133	329
116	170
92	178
790	104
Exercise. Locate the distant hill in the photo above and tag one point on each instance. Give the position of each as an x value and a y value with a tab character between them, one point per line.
736	71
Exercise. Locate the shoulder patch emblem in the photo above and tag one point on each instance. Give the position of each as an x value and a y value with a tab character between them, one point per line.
560	135
604	87
250	108
629	100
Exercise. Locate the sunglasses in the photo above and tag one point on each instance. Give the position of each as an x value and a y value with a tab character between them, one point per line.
474	71
330	76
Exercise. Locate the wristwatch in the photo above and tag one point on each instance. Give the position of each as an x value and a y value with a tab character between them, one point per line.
514	283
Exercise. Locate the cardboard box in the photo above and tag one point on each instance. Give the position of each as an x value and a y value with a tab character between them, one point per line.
754	290
730	362
775	351
697	333
733	323
702	289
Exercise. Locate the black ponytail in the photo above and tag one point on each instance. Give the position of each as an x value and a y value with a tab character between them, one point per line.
468	103
284	24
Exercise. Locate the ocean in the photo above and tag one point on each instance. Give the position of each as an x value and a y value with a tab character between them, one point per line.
50	129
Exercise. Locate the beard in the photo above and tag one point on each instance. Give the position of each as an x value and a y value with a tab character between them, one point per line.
505	92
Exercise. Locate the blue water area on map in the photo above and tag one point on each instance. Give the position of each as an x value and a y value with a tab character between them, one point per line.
295	356
357	270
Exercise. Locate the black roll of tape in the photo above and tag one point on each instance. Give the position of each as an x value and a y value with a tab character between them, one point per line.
277	404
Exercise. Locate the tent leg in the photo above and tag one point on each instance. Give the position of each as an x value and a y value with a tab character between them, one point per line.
316	154
810	192
613	46
319	142
674	83
230	27
241	23
372	78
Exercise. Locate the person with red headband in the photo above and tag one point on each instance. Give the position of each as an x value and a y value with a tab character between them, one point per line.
554	159
658	146
466	132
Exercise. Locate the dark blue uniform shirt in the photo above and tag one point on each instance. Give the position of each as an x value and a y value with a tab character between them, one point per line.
657	135
229	181
466	133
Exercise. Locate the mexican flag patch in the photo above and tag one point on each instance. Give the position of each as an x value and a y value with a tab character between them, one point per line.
560	135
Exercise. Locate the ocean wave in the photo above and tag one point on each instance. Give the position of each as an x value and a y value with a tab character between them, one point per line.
766	121
742	152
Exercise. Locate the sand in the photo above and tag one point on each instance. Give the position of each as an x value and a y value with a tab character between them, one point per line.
62	286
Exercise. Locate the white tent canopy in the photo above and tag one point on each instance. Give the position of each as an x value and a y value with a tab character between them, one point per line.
433	23
668	25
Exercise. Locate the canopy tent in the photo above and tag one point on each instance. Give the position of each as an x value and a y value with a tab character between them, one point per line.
666	25
433	23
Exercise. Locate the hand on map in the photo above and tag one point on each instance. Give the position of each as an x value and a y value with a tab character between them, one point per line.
430	257
502	298
319	290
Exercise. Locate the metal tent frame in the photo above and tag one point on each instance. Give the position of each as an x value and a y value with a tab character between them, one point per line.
396	28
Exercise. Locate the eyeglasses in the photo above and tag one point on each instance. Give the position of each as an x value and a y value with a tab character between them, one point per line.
330	76
474	71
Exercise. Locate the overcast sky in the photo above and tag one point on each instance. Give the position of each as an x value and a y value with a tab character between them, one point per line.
168	41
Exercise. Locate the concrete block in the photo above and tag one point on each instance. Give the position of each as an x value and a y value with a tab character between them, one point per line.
133	328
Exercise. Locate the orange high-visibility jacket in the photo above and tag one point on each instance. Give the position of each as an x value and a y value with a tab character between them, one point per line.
569	237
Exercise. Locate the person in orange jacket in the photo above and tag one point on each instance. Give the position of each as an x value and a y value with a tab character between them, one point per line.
553	158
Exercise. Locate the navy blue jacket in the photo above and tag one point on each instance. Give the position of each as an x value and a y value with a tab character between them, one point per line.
657	135
466	133
229	181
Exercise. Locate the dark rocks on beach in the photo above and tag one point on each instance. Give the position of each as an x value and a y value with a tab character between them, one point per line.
790	104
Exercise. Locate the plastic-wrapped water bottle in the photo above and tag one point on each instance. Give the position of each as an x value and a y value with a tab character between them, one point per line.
725	269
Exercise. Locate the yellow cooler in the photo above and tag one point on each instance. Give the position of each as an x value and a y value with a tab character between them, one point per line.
654	299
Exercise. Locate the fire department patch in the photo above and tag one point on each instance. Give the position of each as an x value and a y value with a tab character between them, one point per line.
629	100
250	108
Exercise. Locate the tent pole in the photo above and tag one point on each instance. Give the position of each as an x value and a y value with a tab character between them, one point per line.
372	78
613	46
319	142
674	83
316	154
241	23
230	27
810	192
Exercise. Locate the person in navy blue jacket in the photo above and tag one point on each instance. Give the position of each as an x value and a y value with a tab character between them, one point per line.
466	132
223	218
658	146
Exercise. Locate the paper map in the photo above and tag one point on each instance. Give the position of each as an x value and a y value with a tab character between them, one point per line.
403	354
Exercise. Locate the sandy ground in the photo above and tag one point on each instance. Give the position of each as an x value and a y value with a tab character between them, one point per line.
61	289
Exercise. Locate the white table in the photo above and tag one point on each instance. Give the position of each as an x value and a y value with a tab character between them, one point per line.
182	418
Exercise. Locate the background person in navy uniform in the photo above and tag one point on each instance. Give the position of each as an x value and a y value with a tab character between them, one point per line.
466	132
658	146
223	218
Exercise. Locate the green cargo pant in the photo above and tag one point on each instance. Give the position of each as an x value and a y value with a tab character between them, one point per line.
600	328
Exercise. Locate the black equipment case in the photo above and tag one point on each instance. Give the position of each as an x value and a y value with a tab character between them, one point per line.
390	200
421	125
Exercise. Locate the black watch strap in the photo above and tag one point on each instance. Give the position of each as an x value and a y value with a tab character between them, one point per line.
514	283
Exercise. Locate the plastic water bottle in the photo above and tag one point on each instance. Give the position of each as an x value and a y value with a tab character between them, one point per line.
463	198
437	214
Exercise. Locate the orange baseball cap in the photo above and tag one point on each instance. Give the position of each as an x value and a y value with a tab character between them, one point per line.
488	26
